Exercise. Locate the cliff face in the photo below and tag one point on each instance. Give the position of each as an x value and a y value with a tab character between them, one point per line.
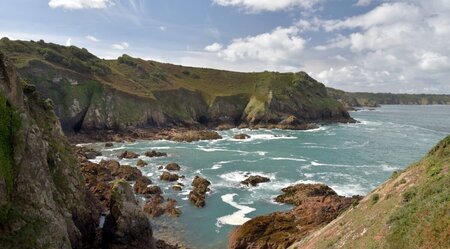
362	99
44	202
90	93
42	198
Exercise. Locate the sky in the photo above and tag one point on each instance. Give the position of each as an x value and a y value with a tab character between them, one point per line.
400	46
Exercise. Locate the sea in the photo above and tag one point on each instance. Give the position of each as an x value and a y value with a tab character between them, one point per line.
352	159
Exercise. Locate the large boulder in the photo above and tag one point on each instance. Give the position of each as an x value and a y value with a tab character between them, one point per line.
241	136
141	163
198	194
255	180
173	167
126	226
141	185
316	205
127	172
166	176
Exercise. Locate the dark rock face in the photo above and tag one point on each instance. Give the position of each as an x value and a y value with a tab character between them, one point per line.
132	228
109	145
172	167
241	136
255	180
155	154
316	205
141	163
128	155
166	176
198	194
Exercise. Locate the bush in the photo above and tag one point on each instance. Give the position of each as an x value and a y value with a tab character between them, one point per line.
375	198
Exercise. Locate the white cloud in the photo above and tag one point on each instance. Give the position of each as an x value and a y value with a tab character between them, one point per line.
79	4
69	42
268	5
278	46
215	47
162	28
121	46
92	38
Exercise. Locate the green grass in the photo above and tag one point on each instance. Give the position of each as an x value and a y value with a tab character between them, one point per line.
9	123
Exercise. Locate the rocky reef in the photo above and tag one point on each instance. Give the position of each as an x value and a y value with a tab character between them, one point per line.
315	205
93	94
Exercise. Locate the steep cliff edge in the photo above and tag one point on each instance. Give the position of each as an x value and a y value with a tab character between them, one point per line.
91	94
410	210
44	202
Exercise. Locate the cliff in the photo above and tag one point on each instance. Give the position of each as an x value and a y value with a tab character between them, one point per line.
363	99
44	202
91	94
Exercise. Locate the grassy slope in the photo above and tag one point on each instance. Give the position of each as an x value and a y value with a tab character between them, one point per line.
410	210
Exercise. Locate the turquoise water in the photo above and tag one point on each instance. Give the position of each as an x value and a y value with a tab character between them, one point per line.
351	158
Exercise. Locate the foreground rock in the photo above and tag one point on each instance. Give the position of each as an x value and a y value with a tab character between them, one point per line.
255	180
141	185
155	154
316	205
156	206
198	194
126	226
173	167
128	155
166	176
241	136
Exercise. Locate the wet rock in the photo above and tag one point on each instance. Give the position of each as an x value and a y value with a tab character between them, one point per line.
85	153
191	136
128	155
156	206
198	194
241	136
152	190
166	176
155	154
126	226
255	180
172	167
177	188
141	185
316	205
109	145
141	163
127	172
161	167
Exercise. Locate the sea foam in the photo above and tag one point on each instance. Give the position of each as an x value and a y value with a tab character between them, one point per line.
237	218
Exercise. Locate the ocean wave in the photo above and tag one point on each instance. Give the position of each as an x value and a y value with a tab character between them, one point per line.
255	137
288	159
237	218
321	128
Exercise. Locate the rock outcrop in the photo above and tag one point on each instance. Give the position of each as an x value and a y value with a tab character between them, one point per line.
198	193
255	180
154	153
316	205
166	176
128	155
172	167
241	136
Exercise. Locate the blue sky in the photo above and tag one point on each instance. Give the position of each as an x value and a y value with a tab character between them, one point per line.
355	45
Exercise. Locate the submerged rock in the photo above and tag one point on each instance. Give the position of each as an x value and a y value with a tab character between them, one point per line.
155	154
109	145
166	176
255	180
241	136
141	163
198	194
173	167
128	155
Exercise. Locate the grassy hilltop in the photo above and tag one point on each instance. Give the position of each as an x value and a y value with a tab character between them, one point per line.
92	93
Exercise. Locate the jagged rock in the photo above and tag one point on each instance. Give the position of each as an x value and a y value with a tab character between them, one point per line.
198	194
126	226
141	184
255	180
87	153
172	167
118	171
317	204
177	188
156	206
241	136
128	155
155	154
191	136
166	176
152	190
141	163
